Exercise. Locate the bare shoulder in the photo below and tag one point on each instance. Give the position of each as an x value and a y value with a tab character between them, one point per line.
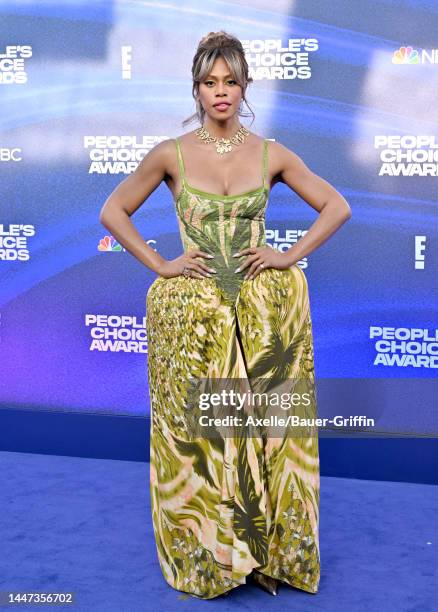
280	152
138	186
255	140
284	160
160	157
276	151
188	137
161	150
165	148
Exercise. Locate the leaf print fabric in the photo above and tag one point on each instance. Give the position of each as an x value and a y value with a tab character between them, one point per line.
224	506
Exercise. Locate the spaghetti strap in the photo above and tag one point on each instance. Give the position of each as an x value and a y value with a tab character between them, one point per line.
265	162
182	173
209	325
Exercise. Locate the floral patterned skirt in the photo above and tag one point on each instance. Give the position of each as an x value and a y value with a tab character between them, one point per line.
222	506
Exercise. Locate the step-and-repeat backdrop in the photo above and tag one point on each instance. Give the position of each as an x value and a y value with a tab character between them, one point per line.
88	88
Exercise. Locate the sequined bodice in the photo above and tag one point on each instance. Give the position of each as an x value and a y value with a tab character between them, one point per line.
222	225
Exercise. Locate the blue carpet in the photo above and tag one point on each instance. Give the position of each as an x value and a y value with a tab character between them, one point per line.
84	525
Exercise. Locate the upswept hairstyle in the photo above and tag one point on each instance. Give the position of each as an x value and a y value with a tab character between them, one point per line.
212	46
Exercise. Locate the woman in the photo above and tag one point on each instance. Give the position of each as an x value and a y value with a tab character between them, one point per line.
229	308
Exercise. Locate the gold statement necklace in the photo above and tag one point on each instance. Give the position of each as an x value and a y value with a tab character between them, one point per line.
223	145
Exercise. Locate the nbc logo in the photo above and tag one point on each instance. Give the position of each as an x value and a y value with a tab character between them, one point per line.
109	244
405	55
409	55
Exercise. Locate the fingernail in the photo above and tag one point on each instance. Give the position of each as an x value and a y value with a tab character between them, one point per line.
208	274
210	256
211	270
237	270
236	254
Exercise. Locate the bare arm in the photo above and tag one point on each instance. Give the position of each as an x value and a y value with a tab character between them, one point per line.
318	193
128	196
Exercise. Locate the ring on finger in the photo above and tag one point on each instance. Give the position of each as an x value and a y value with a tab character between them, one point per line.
254	271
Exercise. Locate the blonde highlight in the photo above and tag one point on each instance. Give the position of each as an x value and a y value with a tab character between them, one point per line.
210	47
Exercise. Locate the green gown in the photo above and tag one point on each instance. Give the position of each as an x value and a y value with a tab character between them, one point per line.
224	506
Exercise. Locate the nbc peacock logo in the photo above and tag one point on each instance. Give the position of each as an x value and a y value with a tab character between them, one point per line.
406	55
109	245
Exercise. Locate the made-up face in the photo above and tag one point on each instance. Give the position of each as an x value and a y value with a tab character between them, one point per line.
219	93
